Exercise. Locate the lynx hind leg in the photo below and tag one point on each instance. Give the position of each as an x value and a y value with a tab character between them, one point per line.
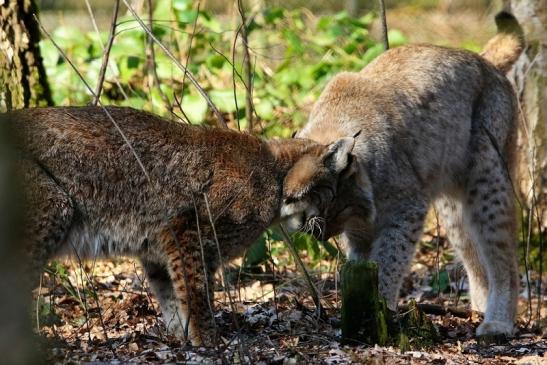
394	246
490	214
162	286
192	288
48	216
463	239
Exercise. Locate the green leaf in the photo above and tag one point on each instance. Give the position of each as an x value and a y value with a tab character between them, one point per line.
264	108
224	100
186	16
396	38
195	107
132	62
215	61
303	241
373	52
257	253
273	14
182	4
440	282
295	44
331	249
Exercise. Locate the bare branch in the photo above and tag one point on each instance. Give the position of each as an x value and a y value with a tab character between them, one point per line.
106	54
151	65
96	28
246	68
384	24
124	137
201	91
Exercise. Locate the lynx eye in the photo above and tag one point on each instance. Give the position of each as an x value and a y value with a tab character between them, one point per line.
290	200
324	190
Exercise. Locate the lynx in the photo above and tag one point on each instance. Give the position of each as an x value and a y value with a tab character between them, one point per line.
437	126
205	197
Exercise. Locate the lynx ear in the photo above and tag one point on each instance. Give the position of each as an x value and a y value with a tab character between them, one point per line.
337	156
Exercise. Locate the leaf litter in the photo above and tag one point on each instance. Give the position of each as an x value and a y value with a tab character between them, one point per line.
104	313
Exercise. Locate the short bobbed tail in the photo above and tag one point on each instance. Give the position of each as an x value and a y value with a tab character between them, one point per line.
504	49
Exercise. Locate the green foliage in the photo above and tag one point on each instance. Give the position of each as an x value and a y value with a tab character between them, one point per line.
293	55
440	282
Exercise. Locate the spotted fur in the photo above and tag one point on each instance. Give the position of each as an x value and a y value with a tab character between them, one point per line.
437	126
87	195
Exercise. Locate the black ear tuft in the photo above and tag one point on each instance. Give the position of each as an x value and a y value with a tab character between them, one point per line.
294	134
337	156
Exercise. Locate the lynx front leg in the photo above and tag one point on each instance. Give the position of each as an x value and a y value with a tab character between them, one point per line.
162	287
192	289
400	227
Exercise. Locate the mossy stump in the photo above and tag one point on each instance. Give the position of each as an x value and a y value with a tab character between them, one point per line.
366	319
364	313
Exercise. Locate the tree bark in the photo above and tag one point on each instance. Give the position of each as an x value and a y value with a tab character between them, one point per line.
17	342
22	73
529	77
364	313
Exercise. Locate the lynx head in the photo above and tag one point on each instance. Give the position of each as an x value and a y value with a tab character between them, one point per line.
324	189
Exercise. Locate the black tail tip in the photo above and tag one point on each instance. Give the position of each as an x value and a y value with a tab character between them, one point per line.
507	23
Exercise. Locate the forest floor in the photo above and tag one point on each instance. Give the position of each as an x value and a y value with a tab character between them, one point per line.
113	319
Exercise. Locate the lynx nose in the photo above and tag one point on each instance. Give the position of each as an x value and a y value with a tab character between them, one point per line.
294	223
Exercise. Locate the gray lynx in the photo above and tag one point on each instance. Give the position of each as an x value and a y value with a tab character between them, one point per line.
87	194
437	126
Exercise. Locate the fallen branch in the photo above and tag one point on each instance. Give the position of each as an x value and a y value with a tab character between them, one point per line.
439	310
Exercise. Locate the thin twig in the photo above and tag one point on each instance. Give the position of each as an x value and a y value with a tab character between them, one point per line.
178	101
106	54
246	68
204	263
169	54
313	290
234	72
384	24
151	63
88	87
189	50
225	283
96	28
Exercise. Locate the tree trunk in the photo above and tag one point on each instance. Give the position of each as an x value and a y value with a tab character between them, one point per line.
17	343
22	73
529	77
365	317
364	313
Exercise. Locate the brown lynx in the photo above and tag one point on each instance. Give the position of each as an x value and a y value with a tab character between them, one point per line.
438	126
88	195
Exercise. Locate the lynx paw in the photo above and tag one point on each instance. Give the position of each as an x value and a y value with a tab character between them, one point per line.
495	331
